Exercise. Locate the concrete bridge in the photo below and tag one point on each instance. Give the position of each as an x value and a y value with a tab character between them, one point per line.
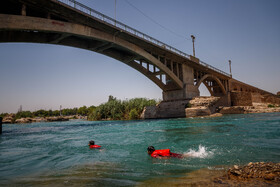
69	23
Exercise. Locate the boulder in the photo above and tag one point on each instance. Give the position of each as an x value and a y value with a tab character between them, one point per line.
24	120
149	112
216	115
232	110
38	119
260	170
197	111
58	118
204	101
9	118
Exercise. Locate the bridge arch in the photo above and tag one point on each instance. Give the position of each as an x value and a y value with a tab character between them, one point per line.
15	28
208	81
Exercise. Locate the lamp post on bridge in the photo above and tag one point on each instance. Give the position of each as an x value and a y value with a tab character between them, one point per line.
115	12
229	62
193	38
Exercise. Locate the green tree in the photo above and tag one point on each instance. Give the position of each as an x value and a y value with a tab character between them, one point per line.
133	114
23	114
115	109
3	115
83	111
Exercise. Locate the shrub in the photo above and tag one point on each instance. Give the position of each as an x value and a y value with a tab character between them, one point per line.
133	114
188	105
270	106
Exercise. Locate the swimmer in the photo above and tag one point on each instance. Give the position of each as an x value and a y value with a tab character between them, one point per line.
92	145
162	153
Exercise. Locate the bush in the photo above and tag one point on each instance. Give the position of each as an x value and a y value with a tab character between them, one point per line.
133	114
270	106
115	109
188	105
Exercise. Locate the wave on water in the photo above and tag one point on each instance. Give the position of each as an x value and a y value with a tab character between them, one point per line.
202	152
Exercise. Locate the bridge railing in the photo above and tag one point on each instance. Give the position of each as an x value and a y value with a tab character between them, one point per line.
213	68
97	15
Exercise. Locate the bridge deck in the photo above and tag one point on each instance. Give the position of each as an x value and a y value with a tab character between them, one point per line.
82	14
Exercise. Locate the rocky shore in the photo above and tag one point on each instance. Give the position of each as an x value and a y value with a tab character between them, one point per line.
11	119
253	174
207	106
259	170
250	175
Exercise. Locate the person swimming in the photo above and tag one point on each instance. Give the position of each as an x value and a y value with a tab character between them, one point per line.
92	145
162	153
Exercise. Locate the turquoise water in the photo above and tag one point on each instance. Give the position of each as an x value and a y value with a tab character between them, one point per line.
57	154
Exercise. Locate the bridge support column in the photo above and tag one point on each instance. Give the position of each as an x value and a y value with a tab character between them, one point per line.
175	100
189	91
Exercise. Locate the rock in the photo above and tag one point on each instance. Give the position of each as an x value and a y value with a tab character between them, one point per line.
149	112
59	118
197	111
269	176
232	110
9	118
203	101
215	115
261	170
38	119
24	120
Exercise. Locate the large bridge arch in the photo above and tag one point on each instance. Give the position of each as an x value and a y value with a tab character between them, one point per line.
16	28
210	82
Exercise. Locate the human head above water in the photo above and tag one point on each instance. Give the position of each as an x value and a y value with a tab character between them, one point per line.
150	149
91	142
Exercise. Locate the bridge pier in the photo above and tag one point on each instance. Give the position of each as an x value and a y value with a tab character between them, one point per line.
189	90
175	101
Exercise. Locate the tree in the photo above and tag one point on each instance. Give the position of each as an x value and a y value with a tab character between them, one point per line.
111	98
133	114
115	109
83	111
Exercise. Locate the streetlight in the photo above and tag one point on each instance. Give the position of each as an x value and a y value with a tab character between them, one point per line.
115	12
193	38
230	68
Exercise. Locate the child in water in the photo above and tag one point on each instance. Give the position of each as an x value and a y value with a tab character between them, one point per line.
92	145
162	153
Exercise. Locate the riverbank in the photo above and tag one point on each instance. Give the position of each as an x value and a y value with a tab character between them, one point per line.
10	118
206	106
253	174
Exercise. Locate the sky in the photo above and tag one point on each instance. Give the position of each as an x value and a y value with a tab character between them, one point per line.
44	76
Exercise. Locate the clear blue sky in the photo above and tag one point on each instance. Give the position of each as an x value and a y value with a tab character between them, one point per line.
41	76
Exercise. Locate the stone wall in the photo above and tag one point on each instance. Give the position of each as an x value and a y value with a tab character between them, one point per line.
241	98
256	98
149	112
271	99
166	109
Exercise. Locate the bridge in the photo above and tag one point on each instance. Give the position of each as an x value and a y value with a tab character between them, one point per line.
70	23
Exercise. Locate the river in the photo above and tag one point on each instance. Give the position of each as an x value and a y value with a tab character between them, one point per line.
57	153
